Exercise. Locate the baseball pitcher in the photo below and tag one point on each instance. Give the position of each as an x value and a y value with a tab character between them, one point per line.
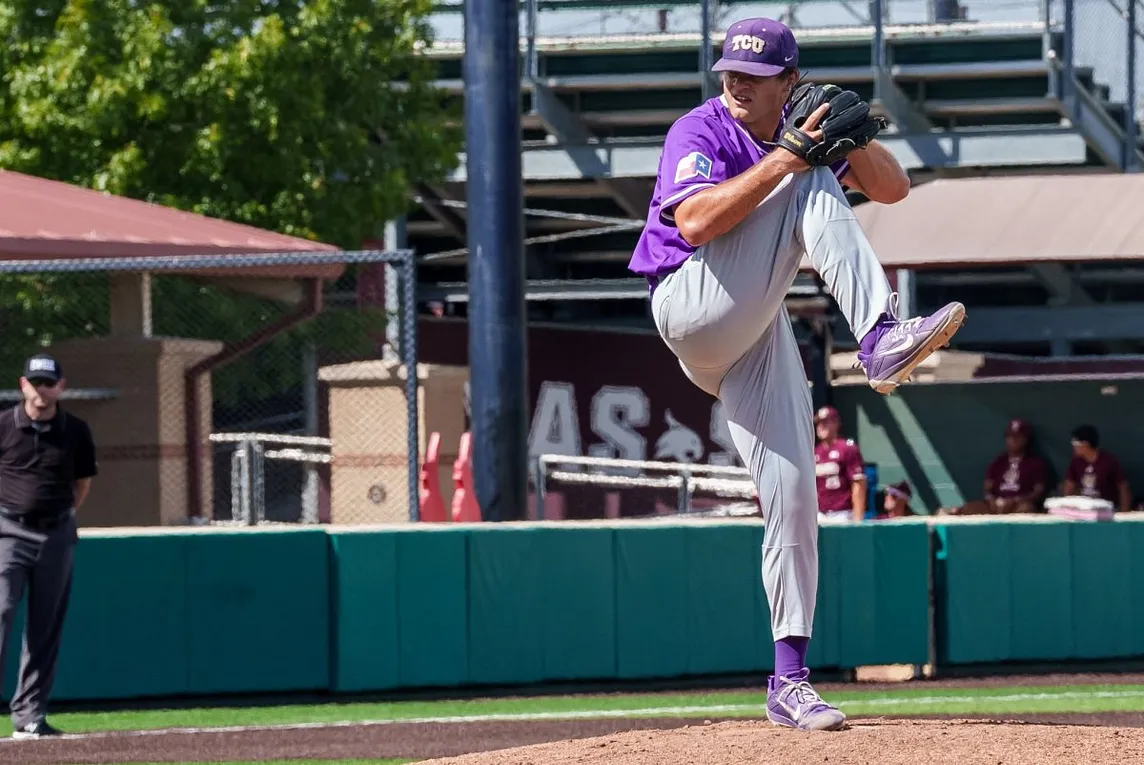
747	183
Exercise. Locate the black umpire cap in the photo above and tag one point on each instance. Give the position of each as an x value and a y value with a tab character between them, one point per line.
42	367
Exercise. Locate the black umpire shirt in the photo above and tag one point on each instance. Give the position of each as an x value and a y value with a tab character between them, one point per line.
41	461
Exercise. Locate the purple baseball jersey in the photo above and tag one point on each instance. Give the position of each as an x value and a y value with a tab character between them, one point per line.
703	148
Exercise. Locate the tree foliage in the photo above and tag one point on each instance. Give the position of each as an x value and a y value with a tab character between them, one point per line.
282	114
277	113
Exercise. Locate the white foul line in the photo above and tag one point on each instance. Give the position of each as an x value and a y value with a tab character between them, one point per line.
506	717
760	709
906	701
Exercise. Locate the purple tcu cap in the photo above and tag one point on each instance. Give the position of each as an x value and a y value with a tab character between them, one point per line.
761	47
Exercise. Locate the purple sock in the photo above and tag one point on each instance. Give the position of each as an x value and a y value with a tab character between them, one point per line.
790	655
867	341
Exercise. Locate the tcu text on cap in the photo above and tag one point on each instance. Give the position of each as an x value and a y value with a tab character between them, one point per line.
748	42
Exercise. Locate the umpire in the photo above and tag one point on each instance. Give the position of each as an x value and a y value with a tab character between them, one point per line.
47	460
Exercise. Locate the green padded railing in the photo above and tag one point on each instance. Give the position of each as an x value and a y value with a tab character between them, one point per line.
1042	591
203	612
171	613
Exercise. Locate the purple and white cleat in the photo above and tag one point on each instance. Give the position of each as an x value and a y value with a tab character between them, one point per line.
793	703
893	349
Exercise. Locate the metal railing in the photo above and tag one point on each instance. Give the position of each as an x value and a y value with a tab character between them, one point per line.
248	471
729	482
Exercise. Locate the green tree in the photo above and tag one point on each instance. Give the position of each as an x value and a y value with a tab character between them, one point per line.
282	114
275	113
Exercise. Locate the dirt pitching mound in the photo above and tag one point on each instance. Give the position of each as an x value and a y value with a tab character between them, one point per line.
887	742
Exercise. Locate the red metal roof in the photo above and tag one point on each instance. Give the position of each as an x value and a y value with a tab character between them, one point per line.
44	219
1014	220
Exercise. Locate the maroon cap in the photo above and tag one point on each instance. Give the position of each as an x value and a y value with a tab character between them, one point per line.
901	490
760	47
1017	428
826	413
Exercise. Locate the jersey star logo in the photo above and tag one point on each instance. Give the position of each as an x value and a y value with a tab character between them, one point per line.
693	165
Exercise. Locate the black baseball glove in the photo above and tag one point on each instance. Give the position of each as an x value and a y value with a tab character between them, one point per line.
847	125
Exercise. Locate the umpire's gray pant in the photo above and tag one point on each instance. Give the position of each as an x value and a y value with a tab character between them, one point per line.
722	314
39	562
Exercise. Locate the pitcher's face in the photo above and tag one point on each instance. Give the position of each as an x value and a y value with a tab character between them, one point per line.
752	99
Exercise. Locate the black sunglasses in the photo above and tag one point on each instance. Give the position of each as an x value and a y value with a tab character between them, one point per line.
40	382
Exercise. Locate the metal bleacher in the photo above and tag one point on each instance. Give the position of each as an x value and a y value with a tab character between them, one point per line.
963	97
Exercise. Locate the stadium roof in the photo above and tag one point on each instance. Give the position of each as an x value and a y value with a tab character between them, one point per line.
1014	220
45	219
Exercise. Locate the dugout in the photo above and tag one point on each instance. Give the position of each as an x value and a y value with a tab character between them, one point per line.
147	398
1074	354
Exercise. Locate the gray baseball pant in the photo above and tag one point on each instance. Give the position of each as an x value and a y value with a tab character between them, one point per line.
41	563
723	316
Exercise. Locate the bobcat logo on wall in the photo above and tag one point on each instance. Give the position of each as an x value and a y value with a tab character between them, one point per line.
680	443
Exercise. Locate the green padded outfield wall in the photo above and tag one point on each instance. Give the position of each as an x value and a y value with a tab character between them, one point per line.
172	612
169	613
1039	591
690	599
941	436
541	604
399	608
198	611
528	603
258	611
127	632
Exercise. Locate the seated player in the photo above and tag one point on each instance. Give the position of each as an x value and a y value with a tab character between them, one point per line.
1095	473
1015	480
896	501
838	469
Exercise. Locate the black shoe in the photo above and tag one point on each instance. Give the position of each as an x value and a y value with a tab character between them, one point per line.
39	729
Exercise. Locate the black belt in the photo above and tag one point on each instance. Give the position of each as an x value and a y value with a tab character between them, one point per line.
36	522
655	280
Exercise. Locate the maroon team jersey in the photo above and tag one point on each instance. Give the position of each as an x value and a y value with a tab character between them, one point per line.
1098	480
1015	476
836	467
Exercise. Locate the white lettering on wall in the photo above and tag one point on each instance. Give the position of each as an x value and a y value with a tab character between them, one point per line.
616	412
555	421
620	416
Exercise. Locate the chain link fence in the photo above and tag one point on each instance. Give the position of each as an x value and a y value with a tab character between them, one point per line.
1100	43
1137	86
1104	50
231	389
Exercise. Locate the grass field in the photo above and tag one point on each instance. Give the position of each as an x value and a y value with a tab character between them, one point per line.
909	700
896	703
283	762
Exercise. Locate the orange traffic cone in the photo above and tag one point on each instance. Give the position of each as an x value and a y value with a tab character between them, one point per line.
465	507
432	502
